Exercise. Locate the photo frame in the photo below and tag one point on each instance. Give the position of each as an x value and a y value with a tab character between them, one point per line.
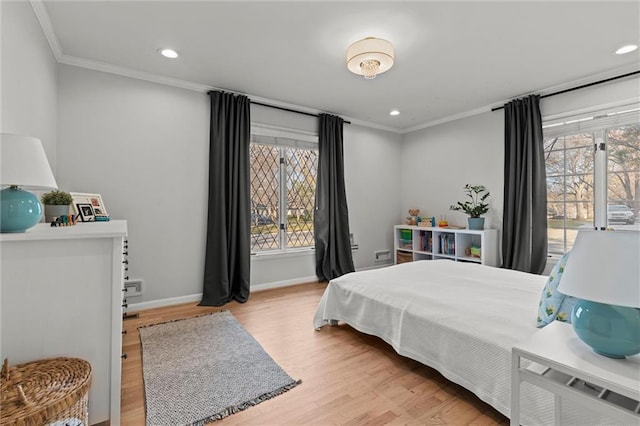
95	200
86	212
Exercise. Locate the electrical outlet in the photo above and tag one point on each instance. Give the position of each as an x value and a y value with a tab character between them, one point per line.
382	255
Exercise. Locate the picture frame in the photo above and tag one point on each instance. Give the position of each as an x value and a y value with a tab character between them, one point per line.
95	200
86	212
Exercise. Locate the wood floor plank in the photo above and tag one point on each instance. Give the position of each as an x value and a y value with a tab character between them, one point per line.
349	378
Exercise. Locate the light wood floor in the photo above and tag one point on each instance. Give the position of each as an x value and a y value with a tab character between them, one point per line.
347	377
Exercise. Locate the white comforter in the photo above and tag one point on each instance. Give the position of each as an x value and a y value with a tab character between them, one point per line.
459	318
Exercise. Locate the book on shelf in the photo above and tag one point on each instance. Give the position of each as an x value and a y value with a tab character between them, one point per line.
447	244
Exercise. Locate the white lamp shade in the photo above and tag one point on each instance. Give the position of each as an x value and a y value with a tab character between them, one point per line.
604	267
24	163
370	48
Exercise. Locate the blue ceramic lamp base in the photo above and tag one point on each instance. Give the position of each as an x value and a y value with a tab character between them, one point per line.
19	210
612	331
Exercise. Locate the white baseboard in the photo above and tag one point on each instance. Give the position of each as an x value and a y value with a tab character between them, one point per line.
257	287
164	302
284	283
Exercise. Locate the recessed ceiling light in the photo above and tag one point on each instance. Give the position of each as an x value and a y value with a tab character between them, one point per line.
626	49
169	53
394	112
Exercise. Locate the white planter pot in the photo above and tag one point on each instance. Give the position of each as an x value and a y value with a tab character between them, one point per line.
51	212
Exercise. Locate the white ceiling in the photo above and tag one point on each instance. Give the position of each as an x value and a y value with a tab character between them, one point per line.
451	57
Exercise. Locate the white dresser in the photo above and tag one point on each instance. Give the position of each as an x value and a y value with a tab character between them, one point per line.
61	295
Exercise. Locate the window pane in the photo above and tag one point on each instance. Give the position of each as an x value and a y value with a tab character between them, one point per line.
623	179
555	189
580	140
579	160
302	168
569	163
265	189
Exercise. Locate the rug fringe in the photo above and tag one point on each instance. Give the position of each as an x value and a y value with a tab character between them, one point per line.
185	318
240	407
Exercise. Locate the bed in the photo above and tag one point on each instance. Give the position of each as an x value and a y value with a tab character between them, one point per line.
460	318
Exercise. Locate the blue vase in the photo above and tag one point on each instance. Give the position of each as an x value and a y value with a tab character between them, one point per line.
476	223
612	331
19	210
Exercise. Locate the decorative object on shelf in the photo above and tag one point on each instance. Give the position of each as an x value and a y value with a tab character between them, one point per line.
95	200
23	163
476	207
370	57
473	251
86	212
413	217
56	203
65	220
603	273
443	223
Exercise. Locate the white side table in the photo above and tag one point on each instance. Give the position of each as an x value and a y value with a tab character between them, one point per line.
573	371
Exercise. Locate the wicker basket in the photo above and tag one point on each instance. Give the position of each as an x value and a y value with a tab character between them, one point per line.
45	392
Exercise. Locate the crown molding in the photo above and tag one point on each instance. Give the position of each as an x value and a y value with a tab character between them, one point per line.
448	119
196	87
45	23
106	67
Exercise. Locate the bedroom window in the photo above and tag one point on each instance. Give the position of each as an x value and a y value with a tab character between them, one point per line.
574	150
283	185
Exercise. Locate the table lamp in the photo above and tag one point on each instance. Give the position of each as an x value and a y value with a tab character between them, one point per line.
23	163
603	272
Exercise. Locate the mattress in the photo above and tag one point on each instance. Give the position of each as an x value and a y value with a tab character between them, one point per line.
460	318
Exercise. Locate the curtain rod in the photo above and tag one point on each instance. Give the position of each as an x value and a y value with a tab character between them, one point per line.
580	87
291	110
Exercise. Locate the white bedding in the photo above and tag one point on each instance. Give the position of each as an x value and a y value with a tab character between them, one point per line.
460	318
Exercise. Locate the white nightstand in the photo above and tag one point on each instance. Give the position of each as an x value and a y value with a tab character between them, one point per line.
570	369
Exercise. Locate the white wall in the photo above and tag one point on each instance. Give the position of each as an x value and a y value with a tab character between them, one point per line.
372	180
438	161
144	148
28	100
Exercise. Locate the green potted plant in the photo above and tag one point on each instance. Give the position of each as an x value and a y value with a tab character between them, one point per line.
475	207
56	203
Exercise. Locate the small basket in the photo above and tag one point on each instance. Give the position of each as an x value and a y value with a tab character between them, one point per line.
46	392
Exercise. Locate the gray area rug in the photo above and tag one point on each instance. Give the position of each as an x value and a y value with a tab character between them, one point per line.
205	368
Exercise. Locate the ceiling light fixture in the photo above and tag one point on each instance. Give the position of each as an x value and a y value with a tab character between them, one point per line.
626	49
169	53
370	57
394	112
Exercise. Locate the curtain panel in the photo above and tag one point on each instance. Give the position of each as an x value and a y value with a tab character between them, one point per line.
524	226
228	249
331	217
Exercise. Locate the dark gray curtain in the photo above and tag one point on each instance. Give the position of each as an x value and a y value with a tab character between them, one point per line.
524	226
228	251
331	218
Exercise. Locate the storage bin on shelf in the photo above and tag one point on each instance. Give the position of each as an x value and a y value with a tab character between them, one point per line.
402	257
46	392
406	234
